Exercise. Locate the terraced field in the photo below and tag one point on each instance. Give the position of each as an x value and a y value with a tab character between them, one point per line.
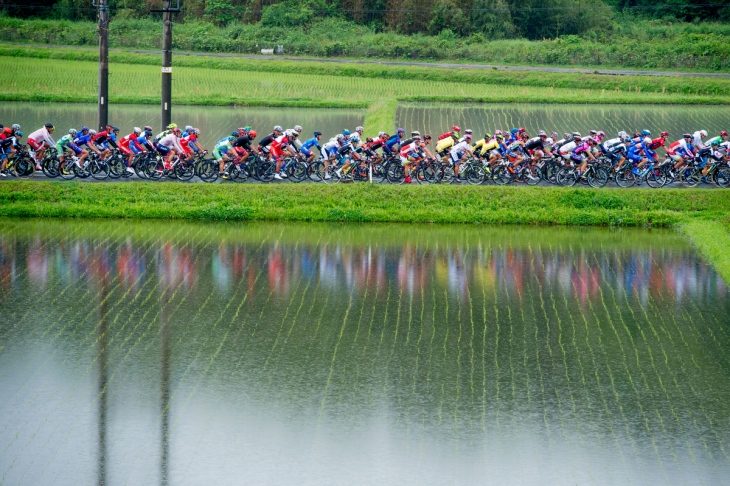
143	352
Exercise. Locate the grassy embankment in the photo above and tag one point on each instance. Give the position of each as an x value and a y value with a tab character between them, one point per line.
631	42
703	215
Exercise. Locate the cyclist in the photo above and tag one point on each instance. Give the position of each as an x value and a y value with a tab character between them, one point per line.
409	152
639	155
243	143
307	146
346	152
581	154
8	147
104	139
457	154
169	145
393	141
144	139
680	150
223	152
130	146
189	141
40	141
281	146
454	134
66	144
538	146
697	138
265	142
486	146
720	139
615	150
567	148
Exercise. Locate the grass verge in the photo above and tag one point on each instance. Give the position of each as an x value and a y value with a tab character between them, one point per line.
363	203
712	239
381	117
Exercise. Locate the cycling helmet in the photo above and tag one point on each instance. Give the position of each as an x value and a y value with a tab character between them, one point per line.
541	133
522	130
467	137
115	129
515	130
176	131
665	134
487	136
252	134
576	134
247	128
340	137
49	126
72	131
84	129
147	128
703	133
231	138
277	128
417	137
499	136
346	132
293	133
380	134
577	138
525	135
715	143
139	130
645	133
415	133
16	127
196	131
601	134
401	131
171	126
554	135
234	133
298	128
317	134
456	128
427	137
687	135
241	130
722	133
188	128
19	134
566	136
369	140
385	136
92	131
499	132
594	132
622	134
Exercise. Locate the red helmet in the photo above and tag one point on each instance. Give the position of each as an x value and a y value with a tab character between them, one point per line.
456	128
665	134
252	134
723	133
522	130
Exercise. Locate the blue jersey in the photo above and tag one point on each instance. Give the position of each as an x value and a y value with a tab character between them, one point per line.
312	142
394	140
82	140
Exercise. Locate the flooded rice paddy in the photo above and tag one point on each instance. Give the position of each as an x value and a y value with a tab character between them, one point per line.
149	352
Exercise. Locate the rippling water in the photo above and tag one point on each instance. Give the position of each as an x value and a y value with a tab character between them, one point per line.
146	352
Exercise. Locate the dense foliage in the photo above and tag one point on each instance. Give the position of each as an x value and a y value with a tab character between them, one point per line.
492	19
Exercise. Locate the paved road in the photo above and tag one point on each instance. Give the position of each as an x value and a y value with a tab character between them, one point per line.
499	67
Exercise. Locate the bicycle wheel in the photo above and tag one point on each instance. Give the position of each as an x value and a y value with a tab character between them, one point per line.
396	174
99	169
154	169
567	176
50	167
67	170
531	175
208	171
24	168
299	171
655	178
501	176
117	167
721	177
625	177
184	170
690	177
475	175
267	170
597	177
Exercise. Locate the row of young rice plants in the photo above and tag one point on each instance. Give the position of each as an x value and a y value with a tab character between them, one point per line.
438	118
74	319
46	79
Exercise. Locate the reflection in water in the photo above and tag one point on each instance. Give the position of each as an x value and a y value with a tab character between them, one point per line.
282	353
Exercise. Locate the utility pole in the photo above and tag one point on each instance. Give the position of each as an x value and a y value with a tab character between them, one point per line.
166	64
103	7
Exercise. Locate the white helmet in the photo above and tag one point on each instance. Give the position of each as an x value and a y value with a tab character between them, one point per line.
340	137
72	131
188	128
622	134
298	128
380	134
278	128
15	127
92	132
359	129
703	133
137	130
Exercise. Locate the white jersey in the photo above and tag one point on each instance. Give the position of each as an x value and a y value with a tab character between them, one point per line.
41	135
567	148
171	141
458	149
697	140
614	145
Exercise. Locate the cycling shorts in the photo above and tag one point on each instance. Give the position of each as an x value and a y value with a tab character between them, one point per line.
34	145
218	153
635	158
162	149
305	152
455	158
332	151
134	149
577	158
125	149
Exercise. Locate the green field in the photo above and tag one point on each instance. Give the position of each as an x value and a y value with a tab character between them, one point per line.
273	83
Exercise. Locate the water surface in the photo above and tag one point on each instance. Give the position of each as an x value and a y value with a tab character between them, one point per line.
149	352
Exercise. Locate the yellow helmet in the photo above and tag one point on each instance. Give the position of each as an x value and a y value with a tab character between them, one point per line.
171	126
